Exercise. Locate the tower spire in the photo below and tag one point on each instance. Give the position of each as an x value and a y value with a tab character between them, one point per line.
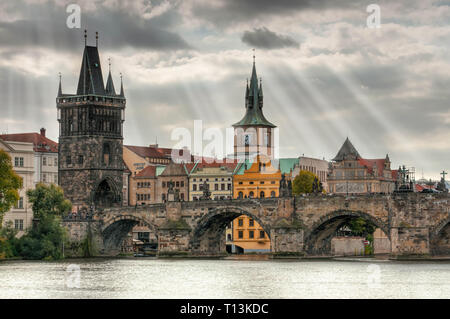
121	86
109	82
59	89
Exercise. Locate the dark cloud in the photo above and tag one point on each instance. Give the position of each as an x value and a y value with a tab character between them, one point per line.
231	11
265	39
47	28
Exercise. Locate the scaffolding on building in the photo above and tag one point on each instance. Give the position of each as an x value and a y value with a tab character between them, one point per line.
406	179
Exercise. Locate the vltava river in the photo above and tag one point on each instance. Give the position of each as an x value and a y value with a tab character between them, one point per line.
193	278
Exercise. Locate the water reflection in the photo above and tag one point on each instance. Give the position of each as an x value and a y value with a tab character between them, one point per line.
234	277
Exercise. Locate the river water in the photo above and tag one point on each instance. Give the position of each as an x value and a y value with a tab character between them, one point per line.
232	278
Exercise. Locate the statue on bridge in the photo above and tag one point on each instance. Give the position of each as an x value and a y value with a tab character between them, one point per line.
441	186
206	193
285	189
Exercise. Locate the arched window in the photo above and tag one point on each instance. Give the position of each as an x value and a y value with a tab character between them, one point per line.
106	154
261	195
251	194
272	193
240	195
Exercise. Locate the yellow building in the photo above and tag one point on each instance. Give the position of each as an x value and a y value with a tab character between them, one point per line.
257	179
249	236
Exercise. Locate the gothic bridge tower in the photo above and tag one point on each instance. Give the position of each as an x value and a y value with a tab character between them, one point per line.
91	137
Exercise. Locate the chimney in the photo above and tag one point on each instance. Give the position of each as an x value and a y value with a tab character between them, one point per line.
43	132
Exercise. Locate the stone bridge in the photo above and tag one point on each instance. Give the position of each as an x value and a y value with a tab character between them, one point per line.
416	224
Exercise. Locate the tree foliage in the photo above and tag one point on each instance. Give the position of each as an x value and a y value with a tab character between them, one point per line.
48	200
361	227
45	239
304	183
10	183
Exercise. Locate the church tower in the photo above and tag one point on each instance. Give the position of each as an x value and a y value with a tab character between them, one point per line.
254	135
91	137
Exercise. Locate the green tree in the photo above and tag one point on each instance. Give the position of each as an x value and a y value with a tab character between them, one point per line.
48	200
8	241
10	183
44	240
303	183
361	227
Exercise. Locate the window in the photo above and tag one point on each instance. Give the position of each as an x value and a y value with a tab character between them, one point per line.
240	195
222	187
251	183
251	194
251	222
55	178
163	197
106	153
55	161
182	183
247	140
44	161
272	194
240	222
262	234
20	203
229	187
240	183
163	184
194	187
240	234
177	184
216	187
18	224
18	161
182	196
261	195
251	234
68	160
44	178
80	159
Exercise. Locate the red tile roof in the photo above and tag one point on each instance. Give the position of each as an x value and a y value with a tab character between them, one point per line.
369	163
147	172
154	152
40	142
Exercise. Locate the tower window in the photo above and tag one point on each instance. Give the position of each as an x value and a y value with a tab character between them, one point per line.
106	154
80	159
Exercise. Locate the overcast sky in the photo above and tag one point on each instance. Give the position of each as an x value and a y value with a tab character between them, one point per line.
325	74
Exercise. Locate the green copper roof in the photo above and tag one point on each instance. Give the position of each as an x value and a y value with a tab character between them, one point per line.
253	104
286	164
159	170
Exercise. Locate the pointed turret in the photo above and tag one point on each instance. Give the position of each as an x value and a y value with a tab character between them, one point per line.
91	78
347	151
60	89
121	87
109	90
254	103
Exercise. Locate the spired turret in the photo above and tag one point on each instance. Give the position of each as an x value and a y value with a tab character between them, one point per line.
90	137
253	133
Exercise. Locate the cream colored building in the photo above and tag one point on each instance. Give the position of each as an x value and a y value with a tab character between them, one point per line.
218	176
22	157
313	165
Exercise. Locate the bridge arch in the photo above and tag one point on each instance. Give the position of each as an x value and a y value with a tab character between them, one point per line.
440	238
208	237
115	230
318	236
